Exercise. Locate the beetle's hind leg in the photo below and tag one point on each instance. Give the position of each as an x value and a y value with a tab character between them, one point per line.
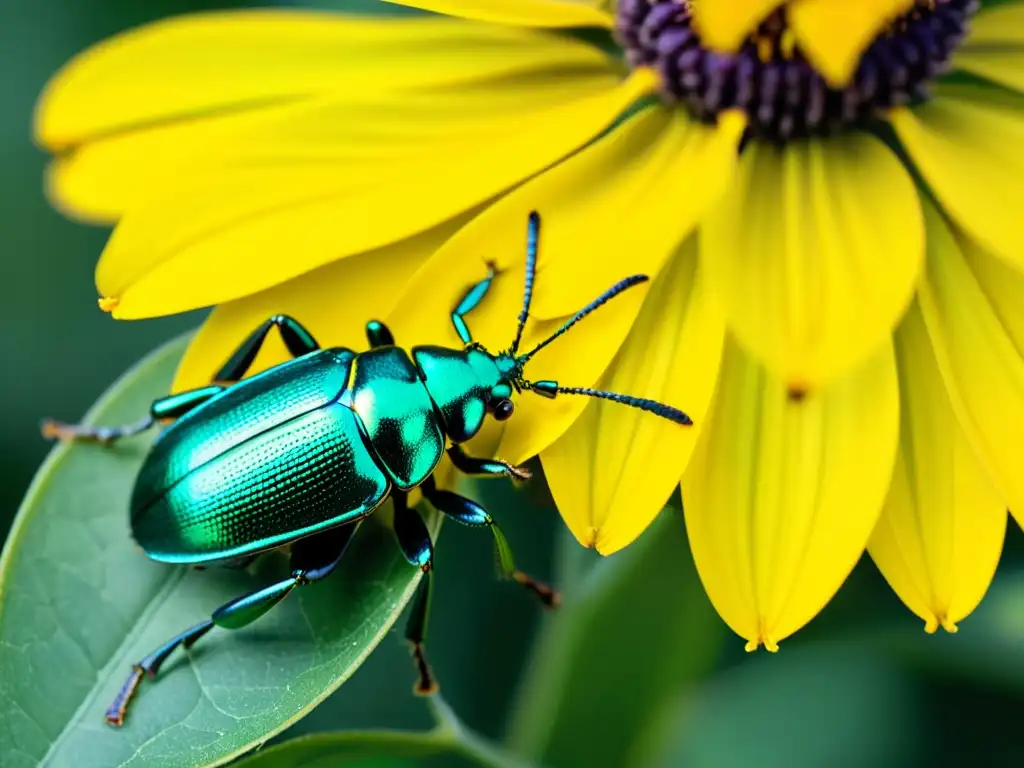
468	512
312	559
414	541
170	407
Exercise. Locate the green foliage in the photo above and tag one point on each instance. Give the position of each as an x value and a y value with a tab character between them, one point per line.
79	604
822	707
637	628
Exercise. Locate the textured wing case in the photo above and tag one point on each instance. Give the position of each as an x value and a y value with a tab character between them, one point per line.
270	461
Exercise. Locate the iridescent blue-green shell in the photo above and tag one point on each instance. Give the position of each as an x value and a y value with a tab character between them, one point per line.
267	461
396	410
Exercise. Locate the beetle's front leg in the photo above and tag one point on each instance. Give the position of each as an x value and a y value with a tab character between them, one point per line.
170	407
471	465
469	302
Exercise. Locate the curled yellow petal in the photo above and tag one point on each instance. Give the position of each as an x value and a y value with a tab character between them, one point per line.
781	495
968	150
995	46
133	114
614	469
724	24
941	531
814	253
333	302
525	13
497	236
973	305
834	33
270	217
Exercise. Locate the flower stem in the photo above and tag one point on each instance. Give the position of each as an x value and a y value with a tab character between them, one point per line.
451	731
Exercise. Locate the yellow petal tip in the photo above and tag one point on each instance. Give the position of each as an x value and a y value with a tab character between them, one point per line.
766	640
931	626
108	303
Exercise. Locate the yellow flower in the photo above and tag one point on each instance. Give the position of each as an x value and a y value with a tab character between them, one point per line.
827	194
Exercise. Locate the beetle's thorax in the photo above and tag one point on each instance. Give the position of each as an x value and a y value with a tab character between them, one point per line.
461	382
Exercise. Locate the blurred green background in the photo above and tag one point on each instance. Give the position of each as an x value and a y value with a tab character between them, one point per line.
637	669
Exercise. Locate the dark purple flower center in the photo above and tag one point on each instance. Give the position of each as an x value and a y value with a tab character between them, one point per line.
771	80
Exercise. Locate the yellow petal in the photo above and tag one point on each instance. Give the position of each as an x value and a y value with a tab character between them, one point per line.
973	304
617	208
615	468
941	531
273	219
131	115
814	253
781	495
834	33
203	64
995	46
373	135
522	13
333	302
725	24
968	150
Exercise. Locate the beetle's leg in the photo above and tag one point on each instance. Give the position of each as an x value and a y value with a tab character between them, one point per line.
468	512
170	407
149	666
312	559
298	340
469	302
471	465
379	335
414	541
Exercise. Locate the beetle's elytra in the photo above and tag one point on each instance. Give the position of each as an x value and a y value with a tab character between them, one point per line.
300	453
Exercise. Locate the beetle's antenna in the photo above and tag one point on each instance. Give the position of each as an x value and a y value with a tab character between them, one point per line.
550	388
605	297
532	235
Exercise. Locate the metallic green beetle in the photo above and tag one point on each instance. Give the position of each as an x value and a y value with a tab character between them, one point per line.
299	453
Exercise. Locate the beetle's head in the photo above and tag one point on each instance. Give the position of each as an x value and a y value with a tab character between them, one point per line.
503	373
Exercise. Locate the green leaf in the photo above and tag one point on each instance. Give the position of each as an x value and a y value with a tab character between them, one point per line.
450	739
79	603
636	630
353	748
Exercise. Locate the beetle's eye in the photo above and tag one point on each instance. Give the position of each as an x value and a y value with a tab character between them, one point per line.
503	409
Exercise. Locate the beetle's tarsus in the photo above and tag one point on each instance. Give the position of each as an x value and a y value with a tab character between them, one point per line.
56	430
119	706
519	473
551	598
426	683
52	429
